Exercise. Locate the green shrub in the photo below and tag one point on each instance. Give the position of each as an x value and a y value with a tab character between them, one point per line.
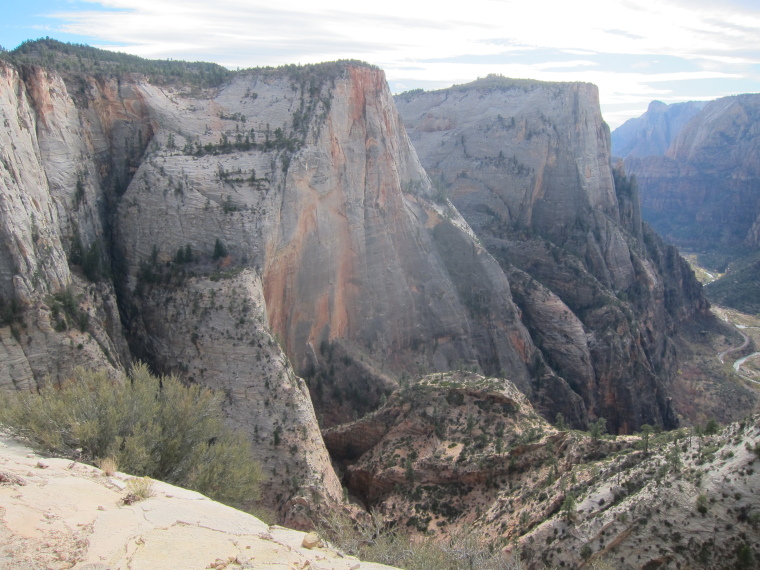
712	427
586	552
151	426
702	504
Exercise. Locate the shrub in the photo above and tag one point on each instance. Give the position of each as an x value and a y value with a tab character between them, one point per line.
108	465
702	504
151	426
568	508
140	488
371	540
586	552
220	250
745	558
712	427
597	429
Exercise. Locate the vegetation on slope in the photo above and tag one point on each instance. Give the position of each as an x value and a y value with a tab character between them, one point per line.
152	426
441	458
66	57
492	81
71	57
739	287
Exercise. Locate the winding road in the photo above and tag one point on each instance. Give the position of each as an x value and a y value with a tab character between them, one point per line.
738	363
744	345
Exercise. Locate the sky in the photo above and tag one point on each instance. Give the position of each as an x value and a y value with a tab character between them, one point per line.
635	51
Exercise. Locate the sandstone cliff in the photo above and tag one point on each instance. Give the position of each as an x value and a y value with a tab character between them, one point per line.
282	209
72	144
52	195
528	166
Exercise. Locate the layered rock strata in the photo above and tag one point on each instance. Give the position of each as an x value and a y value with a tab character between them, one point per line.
528	166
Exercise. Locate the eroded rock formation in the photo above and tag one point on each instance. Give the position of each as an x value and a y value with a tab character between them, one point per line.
528	166
458	451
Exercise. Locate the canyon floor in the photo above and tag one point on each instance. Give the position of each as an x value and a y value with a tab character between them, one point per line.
701	396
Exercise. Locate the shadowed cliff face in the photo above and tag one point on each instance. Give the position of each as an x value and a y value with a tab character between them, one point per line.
59	162
528	166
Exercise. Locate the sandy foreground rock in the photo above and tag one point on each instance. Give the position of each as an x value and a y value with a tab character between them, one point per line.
55	513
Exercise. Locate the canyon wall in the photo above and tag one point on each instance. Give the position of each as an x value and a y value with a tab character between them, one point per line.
652	133
700	191
71	149
275	238
528	165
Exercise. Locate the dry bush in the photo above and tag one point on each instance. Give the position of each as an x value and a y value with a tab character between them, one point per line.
151	426
108	465
140	487
372	540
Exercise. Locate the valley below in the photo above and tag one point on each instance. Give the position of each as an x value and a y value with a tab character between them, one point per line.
439	315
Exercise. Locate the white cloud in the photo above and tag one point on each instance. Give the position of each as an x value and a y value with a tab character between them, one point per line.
721	39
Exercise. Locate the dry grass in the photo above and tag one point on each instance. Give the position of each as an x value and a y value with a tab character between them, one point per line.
108	465
140	487
371	539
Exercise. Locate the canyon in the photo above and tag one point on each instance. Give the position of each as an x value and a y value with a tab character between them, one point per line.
277	236
698	185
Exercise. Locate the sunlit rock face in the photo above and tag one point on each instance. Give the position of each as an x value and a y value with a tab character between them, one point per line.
528	165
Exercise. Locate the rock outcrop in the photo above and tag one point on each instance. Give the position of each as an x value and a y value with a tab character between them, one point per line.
461	451
61	514
528	166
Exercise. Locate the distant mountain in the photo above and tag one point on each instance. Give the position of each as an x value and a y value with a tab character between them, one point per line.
702	192
652	133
